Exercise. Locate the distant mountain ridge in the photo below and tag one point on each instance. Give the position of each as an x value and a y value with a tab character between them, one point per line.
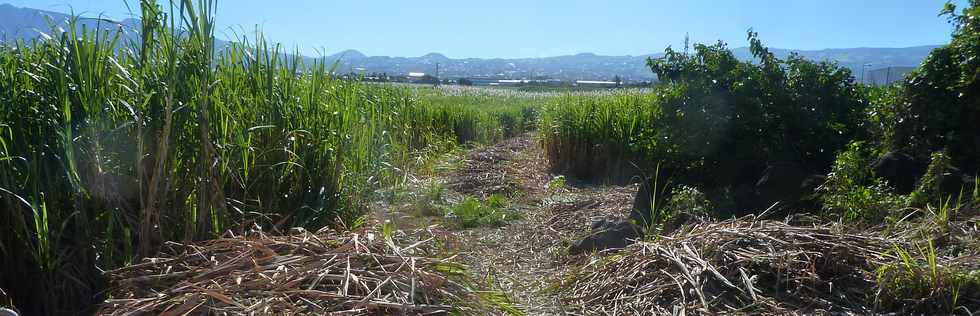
27	24
882	63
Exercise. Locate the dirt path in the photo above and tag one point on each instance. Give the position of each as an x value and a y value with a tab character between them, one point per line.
527	257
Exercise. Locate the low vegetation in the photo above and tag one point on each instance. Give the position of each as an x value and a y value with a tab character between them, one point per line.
785	138
471	212
196	173
853	192
717	124
920	282
113	143
715	121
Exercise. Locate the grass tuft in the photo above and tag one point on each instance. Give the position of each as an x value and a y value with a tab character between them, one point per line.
921	282
471	212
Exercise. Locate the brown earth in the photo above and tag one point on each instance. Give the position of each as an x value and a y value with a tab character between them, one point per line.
526	257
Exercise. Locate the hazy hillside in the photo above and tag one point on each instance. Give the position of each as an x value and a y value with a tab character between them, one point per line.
25	24
17	23
591	66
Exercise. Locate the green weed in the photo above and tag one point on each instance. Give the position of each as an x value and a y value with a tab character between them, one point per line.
918	282
852	192
556	183
689	200
471	212
497	201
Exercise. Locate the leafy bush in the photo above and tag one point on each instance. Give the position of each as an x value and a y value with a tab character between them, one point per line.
556	183
497	201
730	118
940	107
929	189
853	192
882	114
690	201
932	115
715	122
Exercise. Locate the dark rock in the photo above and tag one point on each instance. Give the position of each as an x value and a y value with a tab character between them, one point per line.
809	200
812	182
802	219
609	234
781	182
745	201
901	170
954	181
602	223
676	222
642	202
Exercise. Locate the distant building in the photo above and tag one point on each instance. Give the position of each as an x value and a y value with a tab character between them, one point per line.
484	82
595	83
421	77
513	82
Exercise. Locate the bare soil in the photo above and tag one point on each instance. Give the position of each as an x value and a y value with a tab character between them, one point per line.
527	257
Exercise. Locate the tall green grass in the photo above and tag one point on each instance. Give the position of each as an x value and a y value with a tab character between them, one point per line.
113	142
510	113
600	136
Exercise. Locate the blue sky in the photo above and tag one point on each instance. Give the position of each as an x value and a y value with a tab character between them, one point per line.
528	28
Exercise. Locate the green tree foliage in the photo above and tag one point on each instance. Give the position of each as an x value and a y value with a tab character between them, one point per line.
729	118
882	113
940	109
714	120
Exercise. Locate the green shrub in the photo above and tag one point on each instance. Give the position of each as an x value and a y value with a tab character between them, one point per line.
852	192
732	117
690	201
714	120
556	183
929	189
940	107
882	114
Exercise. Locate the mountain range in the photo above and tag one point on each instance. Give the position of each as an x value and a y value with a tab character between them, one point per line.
868	64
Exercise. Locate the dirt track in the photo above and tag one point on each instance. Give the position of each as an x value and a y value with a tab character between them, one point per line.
527	257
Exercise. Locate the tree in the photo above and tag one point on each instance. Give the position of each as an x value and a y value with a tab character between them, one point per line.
941	103
725	120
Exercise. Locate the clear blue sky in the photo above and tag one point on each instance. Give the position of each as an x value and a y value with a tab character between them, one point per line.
529	28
